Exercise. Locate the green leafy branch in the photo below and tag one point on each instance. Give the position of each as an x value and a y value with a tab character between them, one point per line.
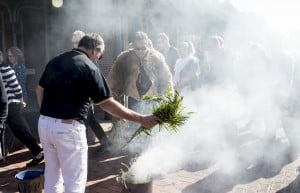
169	109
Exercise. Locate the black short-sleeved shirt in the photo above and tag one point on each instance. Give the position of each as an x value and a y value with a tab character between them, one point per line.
70	80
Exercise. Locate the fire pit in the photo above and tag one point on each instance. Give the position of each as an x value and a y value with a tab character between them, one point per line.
138	188
132	182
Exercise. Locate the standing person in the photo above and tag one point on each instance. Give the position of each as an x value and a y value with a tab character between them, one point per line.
63	93
76	37
17	62
15	119
91	121
3	113
170	52
139	71
215	62
187	70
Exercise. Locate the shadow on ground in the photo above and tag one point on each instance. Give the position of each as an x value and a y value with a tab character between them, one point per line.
293	187
222	181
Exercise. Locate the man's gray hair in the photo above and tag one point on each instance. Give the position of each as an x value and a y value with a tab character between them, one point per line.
92	41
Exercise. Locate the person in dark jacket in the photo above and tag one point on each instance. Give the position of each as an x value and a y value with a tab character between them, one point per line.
3	113
170	52
91	121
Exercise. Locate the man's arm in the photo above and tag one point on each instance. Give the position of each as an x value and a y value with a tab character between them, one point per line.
116	109
39	91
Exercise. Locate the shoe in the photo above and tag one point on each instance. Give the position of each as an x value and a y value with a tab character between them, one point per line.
91	142
35	161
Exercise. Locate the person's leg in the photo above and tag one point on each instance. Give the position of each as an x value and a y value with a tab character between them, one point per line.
20	129
53	178
2	143
91	138
96	127
72	149
9	140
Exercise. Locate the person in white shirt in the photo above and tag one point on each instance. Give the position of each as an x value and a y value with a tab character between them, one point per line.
186	70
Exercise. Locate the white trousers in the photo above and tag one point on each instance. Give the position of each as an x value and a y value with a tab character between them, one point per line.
65	150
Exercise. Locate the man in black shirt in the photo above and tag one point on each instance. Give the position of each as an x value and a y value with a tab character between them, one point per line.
68	83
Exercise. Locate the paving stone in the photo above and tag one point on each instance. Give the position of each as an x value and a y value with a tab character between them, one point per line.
103	169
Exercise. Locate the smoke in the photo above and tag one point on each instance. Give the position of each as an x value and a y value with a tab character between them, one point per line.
253	90
280	16
253	93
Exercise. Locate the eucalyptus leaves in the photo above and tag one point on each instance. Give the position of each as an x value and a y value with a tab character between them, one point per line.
169	109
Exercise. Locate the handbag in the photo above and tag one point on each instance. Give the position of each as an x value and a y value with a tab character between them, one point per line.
143	82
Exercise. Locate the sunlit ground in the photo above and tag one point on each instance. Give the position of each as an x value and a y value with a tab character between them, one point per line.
208	178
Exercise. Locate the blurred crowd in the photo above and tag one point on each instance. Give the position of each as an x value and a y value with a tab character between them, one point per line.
149	66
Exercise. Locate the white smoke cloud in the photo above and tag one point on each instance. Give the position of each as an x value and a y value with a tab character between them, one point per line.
280	15
236	118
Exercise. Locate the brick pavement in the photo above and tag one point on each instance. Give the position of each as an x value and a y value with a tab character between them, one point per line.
265	177
207	178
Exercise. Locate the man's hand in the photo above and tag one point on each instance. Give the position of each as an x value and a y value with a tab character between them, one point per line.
149	121
23	104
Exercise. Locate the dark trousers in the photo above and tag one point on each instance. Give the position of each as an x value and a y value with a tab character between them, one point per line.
2	141
95	126
20	128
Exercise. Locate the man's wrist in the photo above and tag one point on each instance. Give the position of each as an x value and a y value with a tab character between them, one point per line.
140	119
